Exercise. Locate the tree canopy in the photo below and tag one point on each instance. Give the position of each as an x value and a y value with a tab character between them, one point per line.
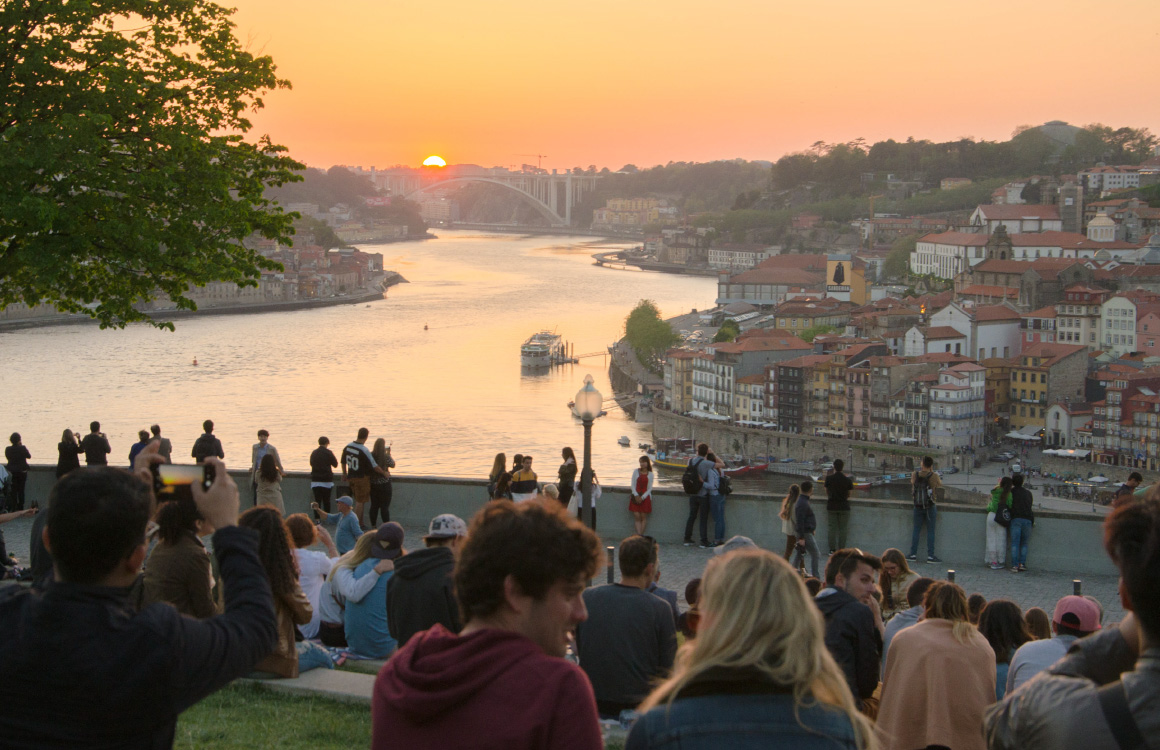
647	334
127	173
819	330
728	331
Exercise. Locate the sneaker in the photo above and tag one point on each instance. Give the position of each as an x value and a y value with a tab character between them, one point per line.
1022	568
1014	568
996	566
705	545
689	543
912	557
933	560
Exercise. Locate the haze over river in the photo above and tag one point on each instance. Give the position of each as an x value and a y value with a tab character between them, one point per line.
448	398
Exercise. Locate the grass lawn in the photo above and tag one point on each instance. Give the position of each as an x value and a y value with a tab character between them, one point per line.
245	717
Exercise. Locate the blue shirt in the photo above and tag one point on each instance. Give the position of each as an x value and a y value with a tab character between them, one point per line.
347	533
367	633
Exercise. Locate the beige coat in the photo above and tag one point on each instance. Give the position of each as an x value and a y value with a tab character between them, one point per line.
935	689
292	610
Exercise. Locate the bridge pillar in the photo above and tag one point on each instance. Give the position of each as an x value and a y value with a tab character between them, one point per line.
568	200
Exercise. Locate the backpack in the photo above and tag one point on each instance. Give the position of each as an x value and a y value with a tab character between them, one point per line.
691	480
923	492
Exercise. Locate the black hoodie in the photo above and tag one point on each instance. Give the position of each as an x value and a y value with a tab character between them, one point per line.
421	593
853	640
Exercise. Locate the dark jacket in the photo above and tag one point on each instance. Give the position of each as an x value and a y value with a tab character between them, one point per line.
804	520
421	593
67	458
180	574
838	487
17	457
83	670
740	708
853	641
322	465
1021	504
96	449
207	445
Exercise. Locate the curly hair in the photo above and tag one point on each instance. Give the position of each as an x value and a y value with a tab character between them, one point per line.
274	547
302	531
536	542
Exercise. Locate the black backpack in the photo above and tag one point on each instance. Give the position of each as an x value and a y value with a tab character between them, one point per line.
923	492
691	480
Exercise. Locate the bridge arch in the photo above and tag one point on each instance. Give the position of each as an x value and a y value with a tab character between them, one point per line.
543	208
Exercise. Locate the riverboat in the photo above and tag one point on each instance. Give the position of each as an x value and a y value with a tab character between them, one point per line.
542	349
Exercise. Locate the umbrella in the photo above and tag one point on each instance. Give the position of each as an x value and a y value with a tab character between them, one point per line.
1098	479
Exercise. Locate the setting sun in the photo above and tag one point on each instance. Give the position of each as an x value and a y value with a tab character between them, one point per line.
434	161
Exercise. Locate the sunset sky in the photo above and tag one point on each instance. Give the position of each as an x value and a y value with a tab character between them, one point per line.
384	82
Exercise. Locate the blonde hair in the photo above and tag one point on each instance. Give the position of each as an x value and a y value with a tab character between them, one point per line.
358	555
552	491
947	601
788	503
756	613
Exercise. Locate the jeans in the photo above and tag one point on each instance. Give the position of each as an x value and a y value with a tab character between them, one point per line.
839	523
717	506
921	516
1020	536
698	506
811	546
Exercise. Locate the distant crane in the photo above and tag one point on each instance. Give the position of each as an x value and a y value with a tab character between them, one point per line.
539	159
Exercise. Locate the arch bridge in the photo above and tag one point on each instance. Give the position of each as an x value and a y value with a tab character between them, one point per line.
552	195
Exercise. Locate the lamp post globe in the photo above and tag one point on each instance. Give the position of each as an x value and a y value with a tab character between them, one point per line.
589	403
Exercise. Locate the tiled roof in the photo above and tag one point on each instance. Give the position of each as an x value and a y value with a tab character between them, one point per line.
1043	312
810	360
989	313
1051	352
938	333
990	290
1067	241
967	239
1008	211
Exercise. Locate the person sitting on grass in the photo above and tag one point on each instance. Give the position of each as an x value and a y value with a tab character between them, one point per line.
348	530
367	631
341	585
129	673
313	566
178	570
293	608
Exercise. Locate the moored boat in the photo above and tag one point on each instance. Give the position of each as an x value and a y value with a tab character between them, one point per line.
542	349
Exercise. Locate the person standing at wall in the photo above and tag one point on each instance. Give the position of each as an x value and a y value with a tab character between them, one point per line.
260	450
164	446
925	485
838	487
96	446
16	455
567	475
322	465
1022	519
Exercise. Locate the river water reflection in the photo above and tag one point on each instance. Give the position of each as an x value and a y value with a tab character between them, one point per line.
447	397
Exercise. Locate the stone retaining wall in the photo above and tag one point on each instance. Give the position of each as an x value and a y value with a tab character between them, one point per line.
1064	542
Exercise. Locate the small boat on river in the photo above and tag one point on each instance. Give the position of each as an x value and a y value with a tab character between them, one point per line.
542	349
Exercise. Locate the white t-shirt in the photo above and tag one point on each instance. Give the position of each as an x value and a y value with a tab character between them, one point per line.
313	567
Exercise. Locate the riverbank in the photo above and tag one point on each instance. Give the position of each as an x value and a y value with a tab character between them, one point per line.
373	292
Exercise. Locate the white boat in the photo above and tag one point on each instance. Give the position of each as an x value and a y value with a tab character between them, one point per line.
541	349
624	440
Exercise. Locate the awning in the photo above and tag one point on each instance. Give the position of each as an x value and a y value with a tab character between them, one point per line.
907	440
1072	453
1098	479
707	415
1020	436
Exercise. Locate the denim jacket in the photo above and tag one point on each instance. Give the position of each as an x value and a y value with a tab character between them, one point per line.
740	710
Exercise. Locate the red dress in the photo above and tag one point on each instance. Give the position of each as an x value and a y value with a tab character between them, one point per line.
645	504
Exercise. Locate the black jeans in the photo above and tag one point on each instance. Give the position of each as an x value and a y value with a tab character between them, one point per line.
16	499
322	497
380	502
580	514
698	506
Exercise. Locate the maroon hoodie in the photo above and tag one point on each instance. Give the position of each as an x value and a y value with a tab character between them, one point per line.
488	689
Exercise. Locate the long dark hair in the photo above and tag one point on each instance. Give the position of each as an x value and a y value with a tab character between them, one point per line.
175	517
568	453
502	487
273	548
1005	490
1002	624
268	470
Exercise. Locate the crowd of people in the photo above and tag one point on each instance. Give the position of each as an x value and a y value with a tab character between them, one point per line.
494	637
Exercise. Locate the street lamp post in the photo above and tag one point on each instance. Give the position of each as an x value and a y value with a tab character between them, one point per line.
589	403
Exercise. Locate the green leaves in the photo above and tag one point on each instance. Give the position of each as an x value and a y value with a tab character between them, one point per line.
127	174
647	334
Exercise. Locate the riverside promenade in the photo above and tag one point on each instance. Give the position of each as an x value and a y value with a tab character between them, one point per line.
1064	547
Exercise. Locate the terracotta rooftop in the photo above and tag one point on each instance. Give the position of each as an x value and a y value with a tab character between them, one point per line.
966	239
991	313
990	290
938	333
1043	312
1050	352
1006	212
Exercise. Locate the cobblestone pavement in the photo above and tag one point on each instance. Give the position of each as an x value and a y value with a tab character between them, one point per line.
680	564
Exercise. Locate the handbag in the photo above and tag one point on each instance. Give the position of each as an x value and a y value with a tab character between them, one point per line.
1003	516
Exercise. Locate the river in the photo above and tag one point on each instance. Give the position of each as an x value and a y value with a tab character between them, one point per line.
447	398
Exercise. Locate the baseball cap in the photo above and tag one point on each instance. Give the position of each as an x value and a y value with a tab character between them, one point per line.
388	541
446	526
737	542
1077	612
346	500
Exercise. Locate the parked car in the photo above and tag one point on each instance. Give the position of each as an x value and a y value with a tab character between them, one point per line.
787	460
949	470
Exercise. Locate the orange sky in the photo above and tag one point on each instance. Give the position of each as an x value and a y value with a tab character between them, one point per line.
604	82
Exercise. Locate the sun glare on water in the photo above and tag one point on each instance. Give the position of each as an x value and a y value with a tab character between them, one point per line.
434	161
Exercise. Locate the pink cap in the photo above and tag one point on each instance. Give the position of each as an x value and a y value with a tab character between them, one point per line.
1077	612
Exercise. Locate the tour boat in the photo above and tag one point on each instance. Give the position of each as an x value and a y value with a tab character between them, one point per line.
542	349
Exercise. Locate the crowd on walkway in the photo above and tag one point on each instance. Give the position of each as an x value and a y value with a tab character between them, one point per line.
494	638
